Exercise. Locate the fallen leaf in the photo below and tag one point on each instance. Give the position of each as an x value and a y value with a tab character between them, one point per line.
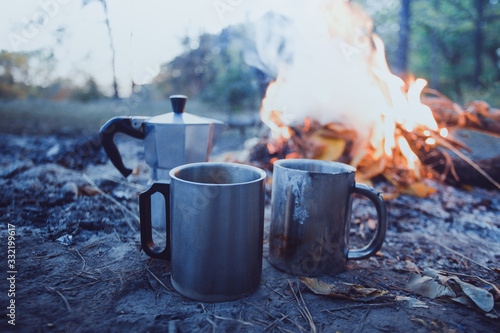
427	286
420	321
480	297
411	302
390	196
88	190
418	189
433	285
332	148
410	265
342	290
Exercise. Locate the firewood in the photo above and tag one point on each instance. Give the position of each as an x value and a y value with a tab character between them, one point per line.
453	169
478	115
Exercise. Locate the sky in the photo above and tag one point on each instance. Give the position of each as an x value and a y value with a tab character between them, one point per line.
146	33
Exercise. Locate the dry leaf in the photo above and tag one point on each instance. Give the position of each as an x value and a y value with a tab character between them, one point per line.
390	196
461	292
480	297
411	302
88	190
419	189
427	286
342	290
332	148
410	265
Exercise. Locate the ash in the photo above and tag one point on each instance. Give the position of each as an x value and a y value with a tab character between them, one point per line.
80	266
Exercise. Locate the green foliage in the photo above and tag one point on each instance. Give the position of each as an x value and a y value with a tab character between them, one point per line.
89	92
213	68
443	43
13	71
20	79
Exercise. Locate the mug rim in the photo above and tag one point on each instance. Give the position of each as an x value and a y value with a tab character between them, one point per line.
345	168
262	174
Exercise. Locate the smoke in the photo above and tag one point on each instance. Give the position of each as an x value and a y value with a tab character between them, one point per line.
323	53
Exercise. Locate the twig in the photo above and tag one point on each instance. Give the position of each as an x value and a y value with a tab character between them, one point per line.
457	253
309	316
261	309
263	322
275	322
48	257
466	159
214	325
83	259
119	181
304	311
449	167
117	235
61	295
363	320
157	279
236	320
489	283
92	245
277	292
116	202
82	271
455	273
284	297
360	306
95	282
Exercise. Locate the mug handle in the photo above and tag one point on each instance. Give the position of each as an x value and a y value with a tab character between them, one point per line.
377	241
148	245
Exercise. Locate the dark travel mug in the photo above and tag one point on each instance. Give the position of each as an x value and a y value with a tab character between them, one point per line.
311	214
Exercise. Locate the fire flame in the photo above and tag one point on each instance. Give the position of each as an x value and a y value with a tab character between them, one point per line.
396	104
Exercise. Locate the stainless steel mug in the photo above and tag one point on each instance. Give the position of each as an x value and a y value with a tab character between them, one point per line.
215	219
311	213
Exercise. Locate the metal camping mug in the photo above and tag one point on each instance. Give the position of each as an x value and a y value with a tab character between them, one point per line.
215	221
311	213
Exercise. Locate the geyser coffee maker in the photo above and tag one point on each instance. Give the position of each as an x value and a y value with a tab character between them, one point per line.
170	140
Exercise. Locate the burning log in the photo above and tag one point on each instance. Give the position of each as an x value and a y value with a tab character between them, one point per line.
455	170
337	142
478	115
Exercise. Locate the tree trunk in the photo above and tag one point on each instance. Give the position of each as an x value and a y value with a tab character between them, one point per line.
478	41
434	44
113	51
495	59
404	38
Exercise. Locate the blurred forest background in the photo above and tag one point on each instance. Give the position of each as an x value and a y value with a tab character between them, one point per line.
454	44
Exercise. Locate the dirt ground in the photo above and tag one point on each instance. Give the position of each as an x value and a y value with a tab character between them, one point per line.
80	267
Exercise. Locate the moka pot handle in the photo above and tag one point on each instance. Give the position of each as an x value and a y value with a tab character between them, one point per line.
107	132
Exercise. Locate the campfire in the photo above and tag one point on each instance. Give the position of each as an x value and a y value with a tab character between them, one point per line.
337	100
